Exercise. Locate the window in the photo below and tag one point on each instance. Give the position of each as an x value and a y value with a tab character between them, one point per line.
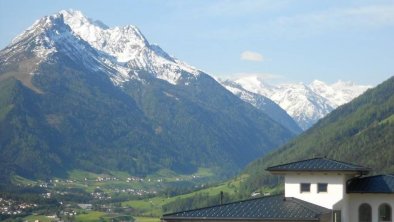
321	187
336	217
365	213
305	187
384	213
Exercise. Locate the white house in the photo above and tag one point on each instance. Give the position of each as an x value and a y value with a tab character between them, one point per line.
318	189
340	187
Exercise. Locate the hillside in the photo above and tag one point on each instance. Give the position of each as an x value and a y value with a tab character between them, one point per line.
115	102
360	132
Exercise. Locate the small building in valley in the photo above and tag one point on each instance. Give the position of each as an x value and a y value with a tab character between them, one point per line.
317	189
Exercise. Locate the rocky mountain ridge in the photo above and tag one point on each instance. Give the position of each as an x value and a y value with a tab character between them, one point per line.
306	103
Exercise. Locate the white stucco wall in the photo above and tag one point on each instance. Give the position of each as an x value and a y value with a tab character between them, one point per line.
375	200
336	197
336	189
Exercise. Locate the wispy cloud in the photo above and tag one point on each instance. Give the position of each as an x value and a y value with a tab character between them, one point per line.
362	17
242	7
252	56
375	15
227	8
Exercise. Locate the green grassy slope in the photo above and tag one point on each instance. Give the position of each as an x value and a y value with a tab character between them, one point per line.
156	206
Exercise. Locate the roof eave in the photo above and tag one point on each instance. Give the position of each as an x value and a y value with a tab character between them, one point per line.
371	192
239	218
284	171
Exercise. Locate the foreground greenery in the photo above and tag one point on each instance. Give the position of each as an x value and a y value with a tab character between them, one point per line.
232	191
91	216
156	206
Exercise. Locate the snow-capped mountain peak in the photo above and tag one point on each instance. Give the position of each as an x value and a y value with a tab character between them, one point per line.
338	93
39	26
123	50
262	103
42	37
306	103
129	47
124	43
255	84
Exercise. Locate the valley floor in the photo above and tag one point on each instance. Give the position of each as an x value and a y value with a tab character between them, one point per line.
115	196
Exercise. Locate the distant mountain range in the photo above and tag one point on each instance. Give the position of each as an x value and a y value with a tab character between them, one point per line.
360	132
263	103
306	104
76	94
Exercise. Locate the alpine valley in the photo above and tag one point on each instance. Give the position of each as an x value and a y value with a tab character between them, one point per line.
98	124
76	94
360	132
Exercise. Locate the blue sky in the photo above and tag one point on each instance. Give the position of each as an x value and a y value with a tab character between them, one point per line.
280	40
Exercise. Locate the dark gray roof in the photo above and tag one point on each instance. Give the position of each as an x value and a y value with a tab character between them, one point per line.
264	208
319	164
373	184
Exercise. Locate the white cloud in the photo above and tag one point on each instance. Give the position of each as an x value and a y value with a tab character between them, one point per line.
252	56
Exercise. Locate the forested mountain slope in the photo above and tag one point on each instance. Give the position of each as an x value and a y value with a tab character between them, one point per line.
116	102
360	132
